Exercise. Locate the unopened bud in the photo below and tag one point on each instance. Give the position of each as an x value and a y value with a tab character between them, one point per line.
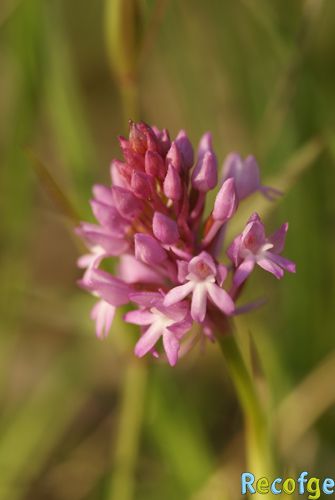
186	149
225	202
172	184
126	203
148	250
205	173
165	229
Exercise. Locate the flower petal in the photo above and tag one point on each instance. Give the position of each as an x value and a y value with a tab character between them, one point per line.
181	327
182	270
165	229
221	298
286	264
226	201
103	315
146	299
139	317
178	293
131	270
271	267
148	249
221	274
109	288
234	250
171	347
109	217
243	271
278	238
199	302
148	340
202	265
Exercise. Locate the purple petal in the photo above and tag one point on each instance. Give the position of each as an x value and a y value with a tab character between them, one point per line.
178	293
171	347
165	140
186	149
286	264
109	217
205	145
221	298
90	260
126	203
278	238
254	218
221	274
232	167
199	302
146	299
253	236
181	327
202	265
243	271
148	249
165	229
103	315
233	251
154	165
141	185
177	312
244	172
249	180
172	184
225	202
115	172
139	317
182	270
99	236
174	157
205	173
271	267
103	194
132	270
109	288
148	340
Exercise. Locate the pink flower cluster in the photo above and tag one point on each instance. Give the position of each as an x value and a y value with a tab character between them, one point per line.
151	218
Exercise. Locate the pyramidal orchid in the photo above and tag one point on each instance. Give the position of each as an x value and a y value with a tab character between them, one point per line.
151	217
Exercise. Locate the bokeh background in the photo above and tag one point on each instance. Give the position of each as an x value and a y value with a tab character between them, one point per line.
81	419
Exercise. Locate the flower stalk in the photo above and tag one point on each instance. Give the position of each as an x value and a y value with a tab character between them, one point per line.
128	432
258	443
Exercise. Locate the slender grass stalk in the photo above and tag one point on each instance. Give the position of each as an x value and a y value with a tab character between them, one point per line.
122	29
258	443
128	433
149	37
122	37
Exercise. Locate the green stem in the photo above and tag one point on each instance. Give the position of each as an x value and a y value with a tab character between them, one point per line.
259	456
128	432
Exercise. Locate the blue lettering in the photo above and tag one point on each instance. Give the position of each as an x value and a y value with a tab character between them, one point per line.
274	490
247	479
301	480
327	484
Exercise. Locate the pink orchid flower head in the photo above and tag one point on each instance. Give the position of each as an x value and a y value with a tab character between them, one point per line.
169	271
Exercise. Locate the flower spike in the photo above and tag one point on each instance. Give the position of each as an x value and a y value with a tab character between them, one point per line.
168	271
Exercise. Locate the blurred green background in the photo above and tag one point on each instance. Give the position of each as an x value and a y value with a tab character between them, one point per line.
81	419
